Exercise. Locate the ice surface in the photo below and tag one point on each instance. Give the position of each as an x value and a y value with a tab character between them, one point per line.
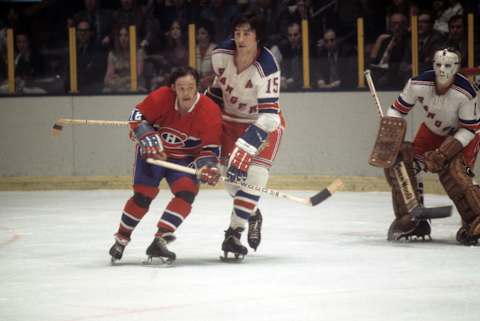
330	262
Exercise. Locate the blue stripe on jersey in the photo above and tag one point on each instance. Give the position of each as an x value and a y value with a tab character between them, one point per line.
267	100
462	82
172	219
228	44
403	102
428	75
215	149
241	193
129	221
191	142
268	111
267	62
469	121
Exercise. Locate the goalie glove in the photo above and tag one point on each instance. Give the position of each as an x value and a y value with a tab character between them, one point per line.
437	159
149	141
247	146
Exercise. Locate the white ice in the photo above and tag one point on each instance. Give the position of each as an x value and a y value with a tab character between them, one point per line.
331	262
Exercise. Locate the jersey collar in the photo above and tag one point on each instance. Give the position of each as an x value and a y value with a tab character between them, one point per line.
177	108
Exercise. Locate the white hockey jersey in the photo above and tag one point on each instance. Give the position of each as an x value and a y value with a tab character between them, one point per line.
250	93
456	111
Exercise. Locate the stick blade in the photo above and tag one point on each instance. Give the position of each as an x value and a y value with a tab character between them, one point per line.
57	127
326	192
422	213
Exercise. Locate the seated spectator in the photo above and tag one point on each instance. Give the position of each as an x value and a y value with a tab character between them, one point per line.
445	10
204	50
172	56
220	13
429	41
289	56
335	64
131	13
100	22
456	37
390	55
91	60
117	77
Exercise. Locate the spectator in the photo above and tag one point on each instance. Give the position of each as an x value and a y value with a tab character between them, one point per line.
456	36
221	14
91	60
131	14
100	22
290	58
429	41
335	63
204	54
389	57
445	10
117	77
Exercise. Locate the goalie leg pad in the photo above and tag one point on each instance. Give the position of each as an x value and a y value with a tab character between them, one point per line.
457	180
406	155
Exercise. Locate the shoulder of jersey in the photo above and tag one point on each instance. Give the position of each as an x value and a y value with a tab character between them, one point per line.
227	47
460	84
266	63
208	105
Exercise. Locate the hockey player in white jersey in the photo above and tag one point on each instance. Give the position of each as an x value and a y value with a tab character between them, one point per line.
446	143
247	87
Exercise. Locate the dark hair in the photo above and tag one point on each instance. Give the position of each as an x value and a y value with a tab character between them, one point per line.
207	25
255	21
181	72
455	18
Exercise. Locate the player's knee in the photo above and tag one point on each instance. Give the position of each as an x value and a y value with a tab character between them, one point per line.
187	196
141	200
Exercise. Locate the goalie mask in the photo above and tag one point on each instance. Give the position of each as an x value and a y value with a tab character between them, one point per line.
446	64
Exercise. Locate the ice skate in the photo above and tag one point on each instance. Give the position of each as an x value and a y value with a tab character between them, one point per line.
116	251
466	238
158	249
413	230
254	236
232	244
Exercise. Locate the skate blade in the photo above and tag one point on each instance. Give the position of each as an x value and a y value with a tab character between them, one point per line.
237	258
158	261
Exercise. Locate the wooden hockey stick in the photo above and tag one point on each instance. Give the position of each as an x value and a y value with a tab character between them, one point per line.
311	201
417	210
58	126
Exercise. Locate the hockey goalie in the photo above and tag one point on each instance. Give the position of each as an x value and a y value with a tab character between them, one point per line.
446	143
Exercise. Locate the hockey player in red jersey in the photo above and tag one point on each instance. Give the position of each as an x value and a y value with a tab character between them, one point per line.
247	87
178	124
446	143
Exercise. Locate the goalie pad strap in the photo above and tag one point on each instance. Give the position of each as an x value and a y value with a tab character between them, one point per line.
389	140
401	177
457	180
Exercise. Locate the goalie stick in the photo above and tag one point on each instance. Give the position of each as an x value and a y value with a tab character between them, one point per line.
417	210
311	201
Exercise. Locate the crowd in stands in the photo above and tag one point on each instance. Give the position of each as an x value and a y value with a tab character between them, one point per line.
102	34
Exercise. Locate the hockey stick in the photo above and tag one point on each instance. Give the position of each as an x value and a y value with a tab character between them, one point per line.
311	201
58	126
417	210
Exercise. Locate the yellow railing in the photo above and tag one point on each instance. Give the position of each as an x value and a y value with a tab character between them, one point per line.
360	42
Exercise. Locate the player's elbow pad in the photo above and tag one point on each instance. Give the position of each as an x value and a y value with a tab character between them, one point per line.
268	122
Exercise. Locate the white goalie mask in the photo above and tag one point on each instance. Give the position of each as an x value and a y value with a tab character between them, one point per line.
446	64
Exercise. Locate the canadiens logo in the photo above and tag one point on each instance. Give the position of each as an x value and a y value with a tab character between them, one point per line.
172	138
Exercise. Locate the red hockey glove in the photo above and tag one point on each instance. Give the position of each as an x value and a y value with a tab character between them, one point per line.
209	175
150	142
238	165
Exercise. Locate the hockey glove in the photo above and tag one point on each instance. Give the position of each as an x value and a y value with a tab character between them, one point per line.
247	146
238	165
209	175
149	141
437	159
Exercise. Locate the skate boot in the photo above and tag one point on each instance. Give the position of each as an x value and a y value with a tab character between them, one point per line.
116	251
405	228
232	244
254	236
468	235
158	249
